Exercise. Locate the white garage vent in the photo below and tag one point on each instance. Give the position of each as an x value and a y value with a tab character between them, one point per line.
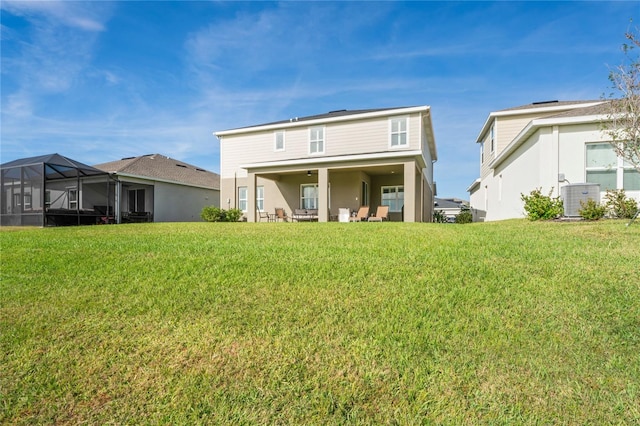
574	193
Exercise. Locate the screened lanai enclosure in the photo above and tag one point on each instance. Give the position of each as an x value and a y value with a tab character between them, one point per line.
53	190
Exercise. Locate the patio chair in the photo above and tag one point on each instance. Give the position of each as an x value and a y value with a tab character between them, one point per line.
281	215
381	214
363	212
263	215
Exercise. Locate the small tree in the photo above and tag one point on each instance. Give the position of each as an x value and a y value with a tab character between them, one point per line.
622	124
465	215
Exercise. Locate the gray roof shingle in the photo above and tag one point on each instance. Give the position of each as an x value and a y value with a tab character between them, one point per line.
157	166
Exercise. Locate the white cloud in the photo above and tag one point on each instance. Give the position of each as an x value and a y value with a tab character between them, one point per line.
79	15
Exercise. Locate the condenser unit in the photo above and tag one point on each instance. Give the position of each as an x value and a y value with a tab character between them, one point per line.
574	193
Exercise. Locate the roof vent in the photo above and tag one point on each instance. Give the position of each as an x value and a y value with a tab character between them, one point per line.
545	102
337	110
181	165
200	170
128	158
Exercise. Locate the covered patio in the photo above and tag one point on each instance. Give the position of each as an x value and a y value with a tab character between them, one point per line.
329	185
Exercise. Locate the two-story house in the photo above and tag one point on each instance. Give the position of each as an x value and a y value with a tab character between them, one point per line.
342	159
544	145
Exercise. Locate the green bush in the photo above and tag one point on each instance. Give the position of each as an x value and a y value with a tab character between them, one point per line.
439	216
618	205
465	216
216	214
540	206
591	210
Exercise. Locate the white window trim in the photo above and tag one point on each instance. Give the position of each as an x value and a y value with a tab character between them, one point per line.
619	167
245	198
259	197
275	140
324	139
382	188
391	121
302	193
492	138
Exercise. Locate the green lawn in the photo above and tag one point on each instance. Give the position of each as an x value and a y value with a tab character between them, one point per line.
321	323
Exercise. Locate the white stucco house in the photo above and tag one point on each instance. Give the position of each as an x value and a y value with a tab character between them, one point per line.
156	188
545	145
343	159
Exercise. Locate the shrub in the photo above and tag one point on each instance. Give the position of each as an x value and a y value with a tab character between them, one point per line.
439	216
216	214
591	210
540	206
618	205
465	216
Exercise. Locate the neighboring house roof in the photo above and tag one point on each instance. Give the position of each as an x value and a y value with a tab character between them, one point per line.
589	114
160	167
546	104
449	203
536	107
62	167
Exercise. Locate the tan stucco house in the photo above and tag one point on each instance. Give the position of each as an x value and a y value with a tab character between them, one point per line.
549	145
157	188
341	159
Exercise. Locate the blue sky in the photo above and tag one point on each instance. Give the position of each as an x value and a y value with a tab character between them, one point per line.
98	81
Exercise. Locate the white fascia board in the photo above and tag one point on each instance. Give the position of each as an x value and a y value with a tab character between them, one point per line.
534	125
153	179
305	123
475	184
338	159
510	113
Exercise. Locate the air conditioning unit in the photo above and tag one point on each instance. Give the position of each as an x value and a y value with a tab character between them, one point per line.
574	193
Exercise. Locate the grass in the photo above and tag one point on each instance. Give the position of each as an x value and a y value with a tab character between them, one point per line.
499	323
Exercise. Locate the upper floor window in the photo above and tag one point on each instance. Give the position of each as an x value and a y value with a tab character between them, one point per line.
604	167
316	140
278	143
398	132
493	139
482	152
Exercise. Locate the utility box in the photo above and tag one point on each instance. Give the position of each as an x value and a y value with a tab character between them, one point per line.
574	193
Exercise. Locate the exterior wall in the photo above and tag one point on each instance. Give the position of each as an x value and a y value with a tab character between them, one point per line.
537	163
180	203
341	138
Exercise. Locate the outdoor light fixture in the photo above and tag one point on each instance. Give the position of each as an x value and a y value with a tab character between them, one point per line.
308	172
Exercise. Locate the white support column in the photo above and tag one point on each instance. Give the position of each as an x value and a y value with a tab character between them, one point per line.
323	195
409	191
251	197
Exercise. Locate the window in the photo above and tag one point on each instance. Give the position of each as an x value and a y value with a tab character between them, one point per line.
72	197
309	196
364	194
316	140
393	196
493	139
260	198
136	200
604	167
398	132
242	198
278	141
27	201
482	152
